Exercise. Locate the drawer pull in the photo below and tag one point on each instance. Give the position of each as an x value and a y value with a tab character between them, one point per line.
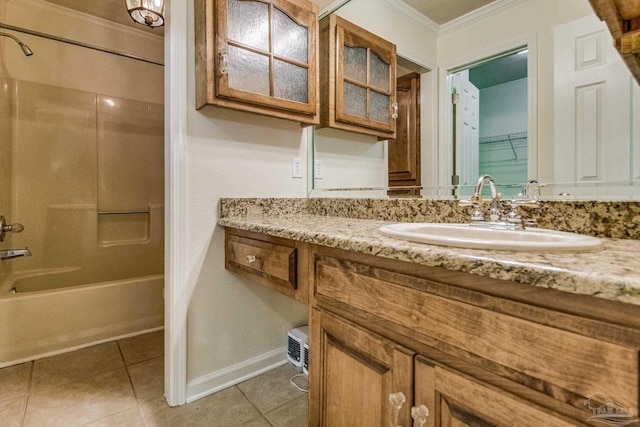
396	400
419	415
251	258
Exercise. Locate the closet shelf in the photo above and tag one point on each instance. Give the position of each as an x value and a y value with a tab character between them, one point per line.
507	137
502	138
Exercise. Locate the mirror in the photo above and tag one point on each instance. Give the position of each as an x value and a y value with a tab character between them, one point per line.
579	146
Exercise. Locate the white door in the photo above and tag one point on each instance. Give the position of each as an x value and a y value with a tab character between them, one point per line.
467	120
593	99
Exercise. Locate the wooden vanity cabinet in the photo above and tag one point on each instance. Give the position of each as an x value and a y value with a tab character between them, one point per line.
279	264
476	351
259	56
357	79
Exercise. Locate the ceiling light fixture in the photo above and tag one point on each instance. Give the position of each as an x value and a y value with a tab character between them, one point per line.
146	12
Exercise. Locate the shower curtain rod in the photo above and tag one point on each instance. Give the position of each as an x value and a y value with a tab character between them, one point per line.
76	43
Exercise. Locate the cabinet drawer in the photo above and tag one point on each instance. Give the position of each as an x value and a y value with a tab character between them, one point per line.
549	357
271	261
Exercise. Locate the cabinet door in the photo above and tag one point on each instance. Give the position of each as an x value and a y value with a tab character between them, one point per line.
352	374
404	150
458	400
359	77
259	55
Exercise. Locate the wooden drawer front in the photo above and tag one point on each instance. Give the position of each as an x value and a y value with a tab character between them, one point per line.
458	400
274	262
573	362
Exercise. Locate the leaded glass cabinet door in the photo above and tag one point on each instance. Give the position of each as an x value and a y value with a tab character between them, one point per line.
259	55
362	69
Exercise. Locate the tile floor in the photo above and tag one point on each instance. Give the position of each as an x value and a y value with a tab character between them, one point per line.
120	384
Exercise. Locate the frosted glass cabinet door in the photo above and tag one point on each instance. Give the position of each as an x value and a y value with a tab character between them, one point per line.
363	67
258	56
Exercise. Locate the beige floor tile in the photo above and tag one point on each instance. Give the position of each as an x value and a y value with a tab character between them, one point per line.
142	347
148	378
64	368
14	381
11	411
223	409
292	414
129	418
82	401
271	389
259	422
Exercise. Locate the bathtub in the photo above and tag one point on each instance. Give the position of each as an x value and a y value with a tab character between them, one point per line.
47	312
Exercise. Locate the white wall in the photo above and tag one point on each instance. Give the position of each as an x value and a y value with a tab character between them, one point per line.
414	35
503	108
233	326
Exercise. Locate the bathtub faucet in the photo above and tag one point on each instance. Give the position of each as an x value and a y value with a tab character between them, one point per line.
14	253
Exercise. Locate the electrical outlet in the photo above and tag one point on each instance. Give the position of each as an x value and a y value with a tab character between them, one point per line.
296	166
318	170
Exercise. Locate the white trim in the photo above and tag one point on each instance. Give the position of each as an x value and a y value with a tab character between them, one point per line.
445	117
95	21
235	374
176	112
480	13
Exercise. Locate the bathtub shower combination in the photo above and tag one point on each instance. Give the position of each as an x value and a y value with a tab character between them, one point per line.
83	131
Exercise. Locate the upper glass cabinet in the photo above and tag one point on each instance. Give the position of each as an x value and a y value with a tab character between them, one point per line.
358	74
258	56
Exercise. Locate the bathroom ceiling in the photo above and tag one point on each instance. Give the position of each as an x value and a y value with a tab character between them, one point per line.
439	11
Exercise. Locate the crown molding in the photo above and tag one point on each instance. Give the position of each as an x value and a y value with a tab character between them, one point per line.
476	15
97	22
408	12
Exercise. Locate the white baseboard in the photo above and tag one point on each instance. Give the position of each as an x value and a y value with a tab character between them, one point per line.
234	374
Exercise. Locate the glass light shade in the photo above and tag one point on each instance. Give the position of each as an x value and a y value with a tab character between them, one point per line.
147	12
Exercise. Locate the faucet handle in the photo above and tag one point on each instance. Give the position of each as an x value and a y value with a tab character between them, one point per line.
477	214
9	228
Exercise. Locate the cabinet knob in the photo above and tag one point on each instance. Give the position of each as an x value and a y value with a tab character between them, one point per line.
419	415
396	400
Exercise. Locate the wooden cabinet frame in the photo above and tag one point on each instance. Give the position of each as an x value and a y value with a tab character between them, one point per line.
335	33
212	78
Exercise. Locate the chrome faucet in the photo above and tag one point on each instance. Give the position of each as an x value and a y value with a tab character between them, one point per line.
14	253
495	213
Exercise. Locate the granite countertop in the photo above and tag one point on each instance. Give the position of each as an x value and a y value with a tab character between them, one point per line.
613	273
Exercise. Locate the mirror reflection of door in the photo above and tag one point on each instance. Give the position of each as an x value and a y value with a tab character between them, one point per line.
404	150
498	146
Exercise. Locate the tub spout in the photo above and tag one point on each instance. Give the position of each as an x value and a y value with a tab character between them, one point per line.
14	253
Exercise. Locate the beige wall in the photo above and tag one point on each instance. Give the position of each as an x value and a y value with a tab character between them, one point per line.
231	154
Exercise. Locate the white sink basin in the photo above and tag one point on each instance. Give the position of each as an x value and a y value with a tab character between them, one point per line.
474	237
